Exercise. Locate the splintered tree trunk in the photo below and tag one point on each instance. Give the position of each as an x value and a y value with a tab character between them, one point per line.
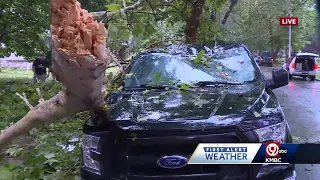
80	58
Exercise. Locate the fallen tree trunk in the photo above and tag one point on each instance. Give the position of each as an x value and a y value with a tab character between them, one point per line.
79	60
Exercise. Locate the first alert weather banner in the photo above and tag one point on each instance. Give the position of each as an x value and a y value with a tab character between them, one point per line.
256	153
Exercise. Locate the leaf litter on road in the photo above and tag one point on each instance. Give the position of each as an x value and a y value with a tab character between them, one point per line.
256	114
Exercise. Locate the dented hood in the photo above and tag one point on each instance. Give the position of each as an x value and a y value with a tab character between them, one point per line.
217	106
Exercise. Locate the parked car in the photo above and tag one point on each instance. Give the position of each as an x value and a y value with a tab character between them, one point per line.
257	59
304	65
228	100
266	59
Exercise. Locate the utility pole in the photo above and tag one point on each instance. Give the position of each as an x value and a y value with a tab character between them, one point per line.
289	38
289	43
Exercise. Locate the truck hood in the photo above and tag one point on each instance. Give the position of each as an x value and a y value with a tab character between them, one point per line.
215	106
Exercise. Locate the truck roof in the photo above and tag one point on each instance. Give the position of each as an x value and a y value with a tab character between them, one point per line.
307	54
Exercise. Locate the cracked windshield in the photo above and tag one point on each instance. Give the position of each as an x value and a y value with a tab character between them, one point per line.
159	89
163	68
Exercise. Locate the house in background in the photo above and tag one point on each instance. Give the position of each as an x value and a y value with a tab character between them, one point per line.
14	61
13	57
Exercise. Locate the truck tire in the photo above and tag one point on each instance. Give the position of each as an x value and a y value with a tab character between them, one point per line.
312	78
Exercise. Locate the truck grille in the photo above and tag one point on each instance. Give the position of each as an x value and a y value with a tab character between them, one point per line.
143	152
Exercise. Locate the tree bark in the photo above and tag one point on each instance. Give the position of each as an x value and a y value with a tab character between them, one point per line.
276	51
193	21
228	13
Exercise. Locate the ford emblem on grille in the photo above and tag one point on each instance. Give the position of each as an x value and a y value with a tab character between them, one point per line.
172	162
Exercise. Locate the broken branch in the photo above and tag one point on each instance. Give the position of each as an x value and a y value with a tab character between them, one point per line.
115	79
117	62
24	98
41	100
104	15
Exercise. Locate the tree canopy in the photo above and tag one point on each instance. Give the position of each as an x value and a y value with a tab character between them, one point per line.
256	23
24	23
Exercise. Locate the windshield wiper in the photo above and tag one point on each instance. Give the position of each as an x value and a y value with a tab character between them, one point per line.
207	83
149	86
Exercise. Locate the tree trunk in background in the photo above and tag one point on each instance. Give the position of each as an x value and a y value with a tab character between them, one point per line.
275	53
228	13
193	21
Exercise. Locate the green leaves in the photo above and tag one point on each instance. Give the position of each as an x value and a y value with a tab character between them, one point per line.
49	156
260	30
28	29
51	161
14	151
184	87
41	160
6	174
199	57
157	76
113	7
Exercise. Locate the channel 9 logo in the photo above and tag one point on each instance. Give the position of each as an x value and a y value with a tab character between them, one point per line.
273	152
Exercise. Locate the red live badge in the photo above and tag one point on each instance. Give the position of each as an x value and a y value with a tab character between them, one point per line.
289	21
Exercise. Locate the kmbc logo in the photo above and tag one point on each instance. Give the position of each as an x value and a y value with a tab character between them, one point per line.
273	152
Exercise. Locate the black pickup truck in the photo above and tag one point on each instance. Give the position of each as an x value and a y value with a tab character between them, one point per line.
156	116
266	59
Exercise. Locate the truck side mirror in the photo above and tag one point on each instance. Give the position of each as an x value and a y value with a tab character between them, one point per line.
280	77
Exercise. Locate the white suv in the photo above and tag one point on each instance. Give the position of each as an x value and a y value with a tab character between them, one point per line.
304	65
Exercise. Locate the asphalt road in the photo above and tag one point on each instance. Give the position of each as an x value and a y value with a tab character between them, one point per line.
301	105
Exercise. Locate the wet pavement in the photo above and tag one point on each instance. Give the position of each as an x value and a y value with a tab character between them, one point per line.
301	105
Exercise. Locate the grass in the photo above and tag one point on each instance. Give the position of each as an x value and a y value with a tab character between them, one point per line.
42	156
11	74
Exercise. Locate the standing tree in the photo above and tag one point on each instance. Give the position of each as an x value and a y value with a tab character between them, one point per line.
256	23
22	27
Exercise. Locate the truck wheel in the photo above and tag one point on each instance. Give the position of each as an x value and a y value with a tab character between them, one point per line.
290	76
312	78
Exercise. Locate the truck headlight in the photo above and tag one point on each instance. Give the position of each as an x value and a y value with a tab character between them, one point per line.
276	132
90	144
